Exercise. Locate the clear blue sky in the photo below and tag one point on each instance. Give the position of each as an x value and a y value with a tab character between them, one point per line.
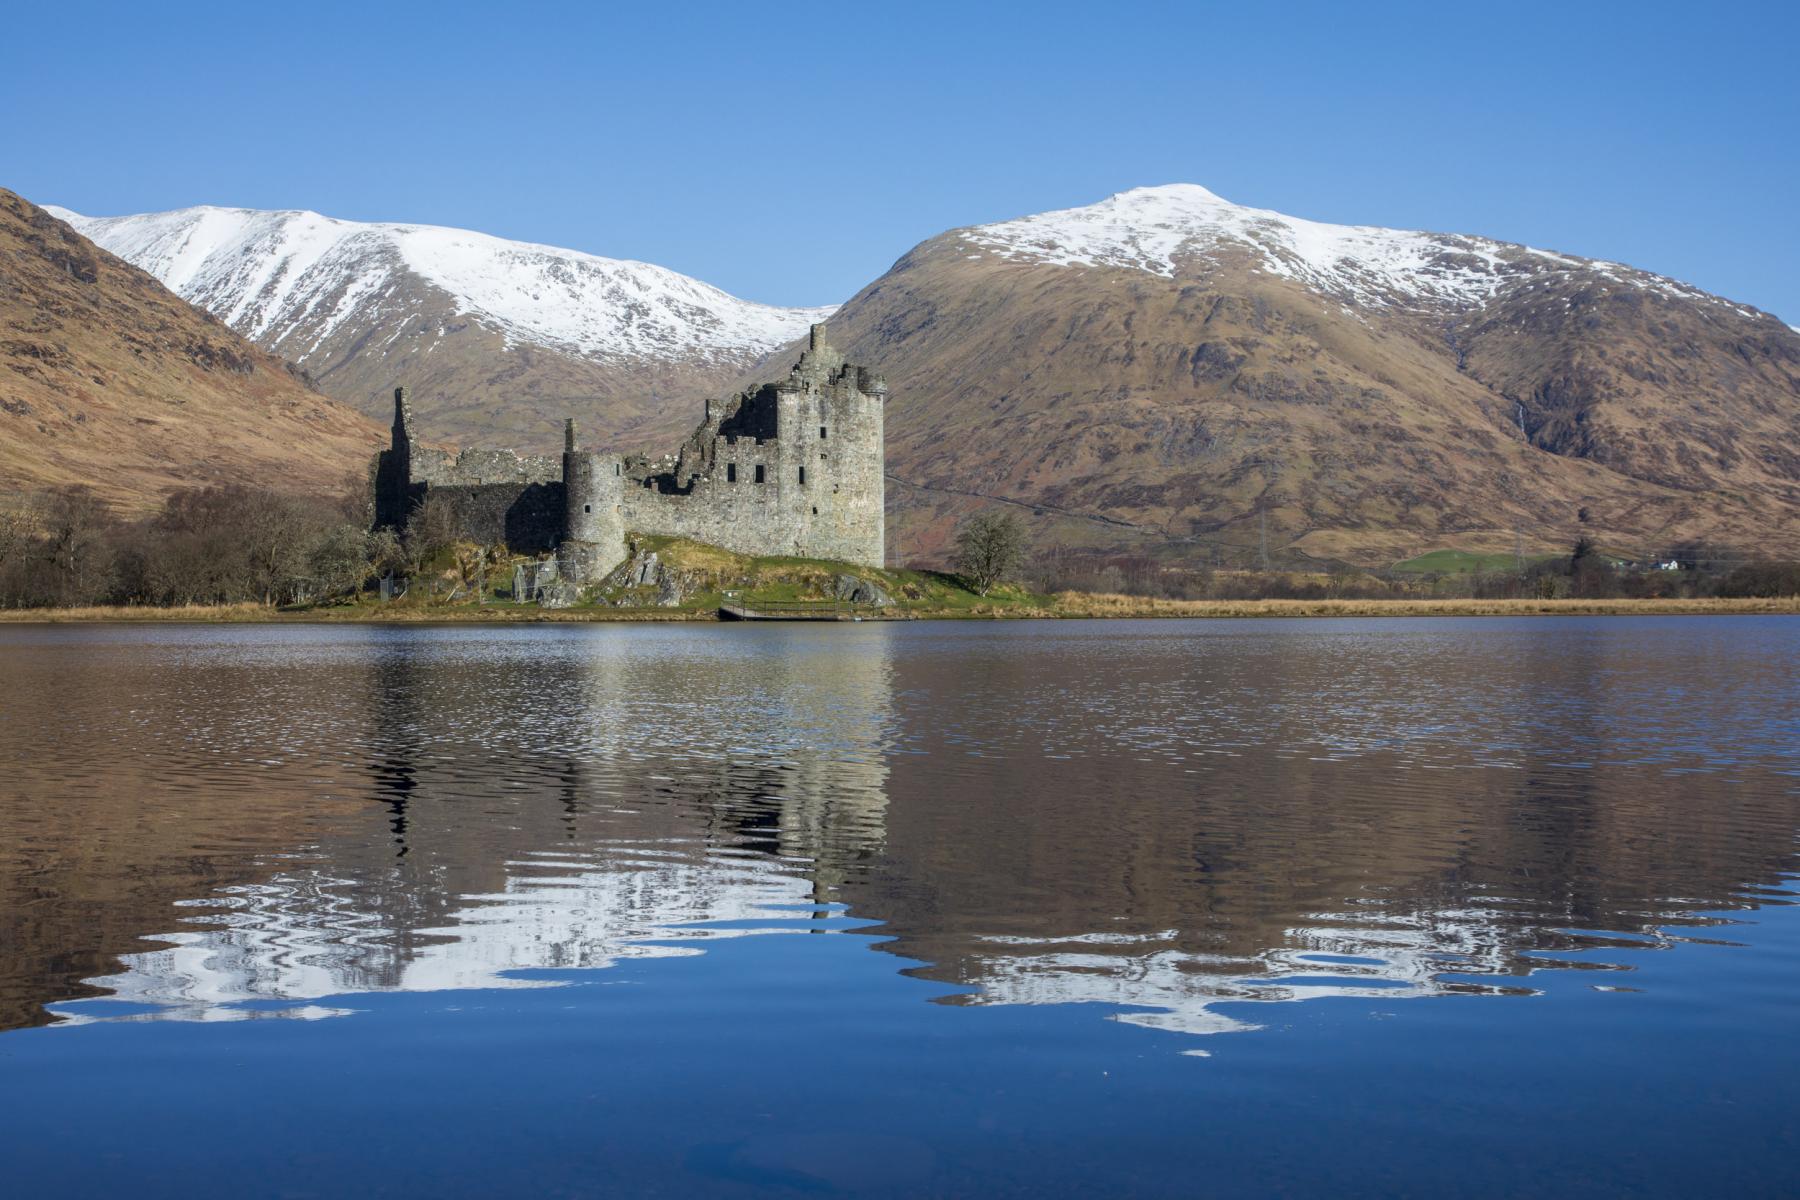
790	153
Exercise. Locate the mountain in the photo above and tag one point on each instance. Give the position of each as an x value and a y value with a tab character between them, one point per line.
1170	372
498	340
109	379
1163	371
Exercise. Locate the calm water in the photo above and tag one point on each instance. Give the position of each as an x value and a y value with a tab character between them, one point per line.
1479	907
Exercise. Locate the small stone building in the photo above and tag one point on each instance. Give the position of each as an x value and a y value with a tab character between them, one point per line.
787	468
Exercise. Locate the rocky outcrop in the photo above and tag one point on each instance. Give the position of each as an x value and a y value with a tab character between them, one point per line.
645	571
853	590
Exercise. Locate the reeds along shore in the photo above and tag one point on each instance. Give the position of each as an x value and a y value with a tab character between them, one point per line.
1079	604
1064	605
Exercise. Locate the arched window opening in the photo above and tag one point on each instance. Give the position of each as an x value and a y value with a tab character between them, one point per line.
730	472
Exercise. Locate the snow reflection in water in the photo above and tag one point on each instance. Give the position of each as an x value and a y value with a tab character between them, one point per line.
1162	821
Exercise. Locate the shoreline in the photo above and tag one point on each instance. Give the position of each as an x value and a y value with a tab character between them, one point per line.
1066	607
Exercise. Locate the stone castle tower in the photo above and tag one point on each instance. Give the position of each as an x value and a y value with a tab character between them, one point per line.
794	468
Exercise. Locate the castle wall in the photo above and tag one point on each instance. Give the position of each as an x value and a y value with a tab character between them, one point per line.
528	518
495	495
817	439
483	468
794	468
593	517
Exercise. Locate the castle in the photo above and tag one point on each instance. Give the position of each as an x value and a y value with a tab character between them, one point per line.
787	468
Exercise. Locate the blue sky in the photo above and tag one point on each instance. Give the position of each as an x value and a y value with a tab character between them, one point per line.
791	152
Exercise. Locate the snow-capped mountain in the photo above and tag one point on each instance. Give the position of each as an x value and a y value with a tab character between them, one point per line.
1166	371
1183	226
454	313
287	277
1162	369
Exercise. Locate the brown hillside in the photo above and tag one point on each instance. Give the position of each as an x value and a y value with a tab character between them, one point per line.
1186	415
107	378
472	386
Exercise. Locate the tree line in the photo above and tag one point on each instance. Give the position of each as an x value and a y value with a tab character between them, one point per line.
234	544
213	545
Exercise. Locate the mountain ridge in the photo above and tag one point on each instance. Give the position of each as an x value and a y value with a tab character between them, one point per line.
1205	382
493	336
1165	371
113	382
1178	215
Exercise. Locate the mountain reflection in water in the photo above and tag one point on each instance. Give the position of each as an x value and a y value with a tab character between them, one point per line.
219	824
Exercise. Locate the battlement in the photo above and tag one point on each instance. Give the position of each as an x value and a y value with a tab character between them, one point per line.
822	366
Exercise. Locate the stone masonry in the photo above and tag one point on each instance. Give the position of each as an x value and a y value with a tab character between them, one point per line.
787	468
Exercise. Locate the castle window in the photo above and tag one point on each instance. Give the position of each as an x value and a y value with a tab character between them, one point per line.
730	472
618	468
802	476
821	433
759	473
587	508
815	510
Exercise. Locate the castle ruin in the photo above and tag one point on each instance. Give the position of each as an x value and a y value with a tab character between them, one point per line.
787	468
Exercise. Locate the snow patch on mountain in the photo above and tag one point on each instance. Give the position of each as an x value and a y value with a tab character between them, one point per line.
281	275
1156	229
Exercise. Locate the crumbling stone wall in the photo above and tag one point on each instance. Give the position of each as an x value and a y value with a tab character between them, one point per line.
794	467
496	495
789	468
527	518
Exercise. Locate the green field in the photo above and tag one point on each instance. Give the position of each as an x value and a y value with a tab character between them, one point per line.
1459	562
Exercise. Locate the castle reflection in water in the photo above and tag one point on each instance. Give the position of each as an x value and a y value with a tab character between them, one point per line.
1162	823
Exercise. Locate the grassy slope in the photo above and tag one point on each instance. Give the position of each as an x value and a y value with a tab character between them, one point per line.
109	379
752	580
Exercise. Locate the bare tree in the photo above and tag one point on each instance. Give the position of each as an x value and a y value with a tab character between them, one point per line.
78	546
275	532
20	526
338	561
356	496
199	551
387	555
430	530
990	545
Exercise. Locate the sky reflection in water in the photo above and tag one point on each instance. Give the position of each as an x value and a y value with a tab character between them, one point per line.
470	845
